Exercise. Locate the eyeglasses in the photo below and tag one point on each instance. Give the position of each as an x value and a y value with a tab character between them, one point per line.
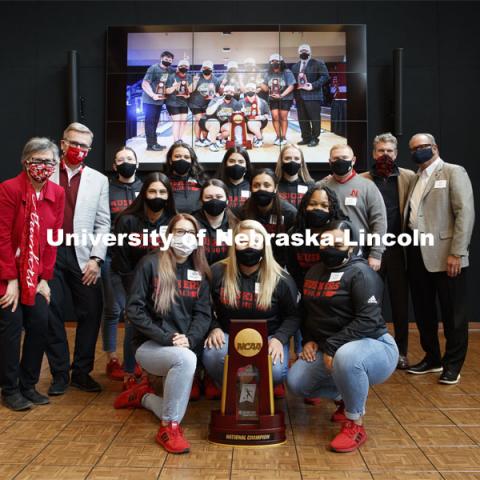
83	146
423	146
181	232
42	161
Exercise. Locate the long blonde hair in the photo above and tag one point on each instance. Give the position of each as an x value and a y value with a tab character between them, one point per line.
303	173
270	271
166	289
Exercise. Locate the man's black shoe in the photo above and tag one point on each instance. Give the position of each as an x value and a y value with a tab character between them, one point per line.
58	387
303	142
313	142
35	397
85	382
449	378
156	147
424	367
17	402
402	362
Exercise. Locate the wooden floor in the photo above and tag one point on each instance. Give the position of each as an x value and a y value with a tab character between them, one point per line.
417	429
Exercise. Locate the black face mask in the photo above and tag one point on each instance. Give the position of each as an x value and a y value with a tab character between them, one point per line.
126	170
331	257
155	204
215	207
235	172
207	72
316	218
263	198
275	65
181	166
250	94
228	96
422	156
166	63
291	168
341	167
183	70
249	257
304	55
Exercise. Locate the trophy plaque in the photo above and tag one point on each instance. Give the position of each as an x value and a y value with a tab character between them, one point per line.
160	90
275	87
238	132
247	413
183	89
210	91
302	79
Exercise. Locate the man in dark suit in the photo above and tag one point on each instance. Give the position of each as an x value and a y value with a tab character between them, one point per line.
310	75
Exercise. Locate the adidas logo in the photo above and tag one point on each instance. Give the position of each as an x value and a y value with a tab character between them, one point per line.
372	299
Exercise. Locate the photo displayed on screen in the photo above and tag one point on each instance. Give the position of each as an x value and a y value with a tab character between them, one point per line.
214	90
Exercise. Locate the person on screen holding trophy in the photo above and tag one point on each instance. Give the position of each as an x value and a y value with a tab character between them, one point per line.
256	113
249	283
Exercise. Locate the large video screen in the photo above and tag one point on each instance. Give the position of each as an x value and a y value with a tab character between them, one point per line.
217	86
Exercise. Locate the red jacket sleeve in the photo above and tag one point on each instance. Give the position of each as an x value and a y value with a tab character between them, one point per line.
50	252
8	209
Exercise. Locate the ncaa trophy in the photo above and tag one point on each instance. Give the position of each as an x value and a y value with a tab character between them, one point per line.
160	90
247	413
238	131
275	87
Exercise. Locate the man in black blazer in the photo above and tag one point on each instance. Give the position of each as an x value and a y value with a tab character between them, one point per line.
310	75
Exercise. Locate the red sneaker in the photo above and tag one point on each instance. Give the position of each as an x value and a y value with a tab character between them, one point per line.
338	415
212	392
138	370
351	436
171	438
114	370
195	392
312	401
279	391
133	398
129	382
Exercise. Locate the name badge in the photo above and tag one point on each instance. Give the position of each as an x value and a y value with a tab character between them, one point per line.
136	194
302	189
440	184
351	201
335	276
245	193
194	276
257	288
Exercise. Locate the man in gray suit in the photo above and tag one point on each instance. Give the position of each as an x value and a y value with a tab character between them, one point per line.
439	202
78	266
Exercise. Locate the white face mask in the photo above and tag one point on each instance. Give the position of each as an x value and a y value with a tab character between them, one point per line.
184	245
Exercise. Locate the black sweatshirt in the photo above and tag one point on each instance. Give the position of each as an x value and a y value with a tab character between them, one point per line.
125	258
190	314
186	193
293	192
282	317
300	260
213	252
238	194
121	195
342	305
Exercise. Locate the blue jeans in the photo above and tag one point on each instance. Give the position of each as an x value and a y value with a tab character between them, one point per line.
177	367
356	366
213	361
114	299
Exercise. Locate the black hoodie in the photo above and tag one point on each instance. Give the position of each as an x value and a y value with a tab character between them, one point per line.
238	194
293	192
121	195
342	305
186	193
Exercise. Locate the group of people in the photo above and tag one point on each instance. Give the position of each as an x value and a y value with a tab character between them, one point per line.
177	302
212	101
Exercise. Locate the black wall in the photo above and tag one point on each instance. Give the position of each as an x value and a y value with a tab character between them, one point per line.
441	58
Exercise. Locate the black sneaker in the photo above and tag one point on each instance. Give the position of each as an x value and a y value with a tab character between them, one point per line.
303	142
402	363
35	397
424	367
156	147
449	378
58	387
16	402
85	382
313	143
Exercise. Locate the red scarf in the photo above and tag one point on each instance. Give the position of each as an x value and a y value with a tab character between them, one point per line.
30	250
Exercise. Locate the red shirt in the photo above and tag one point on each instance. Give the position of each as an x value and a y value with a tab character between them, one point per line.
12	218
71	193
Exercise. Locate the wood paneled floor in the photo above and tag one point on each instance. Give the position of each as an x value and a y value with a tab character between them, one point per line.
418	430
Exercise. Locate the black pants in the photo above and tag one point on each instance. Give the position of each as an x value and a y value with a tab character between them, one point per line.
394	272
309	118
88	305
152	116
16	374
451	292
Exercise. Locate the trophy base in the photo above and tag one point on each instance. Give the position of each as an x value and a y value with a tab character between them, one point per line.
268	430
246	144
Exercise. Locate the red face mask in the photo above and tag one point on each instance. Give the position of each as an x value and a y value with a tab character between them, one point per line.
40	172
75	155
385	165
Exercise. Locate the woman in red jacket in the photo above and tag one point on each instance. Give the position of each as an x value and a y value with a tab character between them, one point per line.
30	205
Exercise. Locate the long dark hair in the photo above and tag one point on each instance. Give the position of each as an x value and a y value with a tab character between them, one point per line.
222	169
138	206
215	182
336	212
250	210
196	171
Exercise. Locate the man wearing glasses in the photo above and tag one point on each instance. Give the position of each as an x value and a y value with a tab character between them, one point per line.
440	202
78	266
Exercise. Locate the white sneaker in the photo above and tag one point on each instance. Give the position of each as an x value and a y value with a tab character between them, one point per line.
206	142
199	143
258	143
214	147
221	142
283	141
277	141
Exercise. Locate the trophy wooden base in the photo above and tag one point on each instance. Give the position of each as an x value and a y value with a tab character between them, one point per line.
245	144
267	430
